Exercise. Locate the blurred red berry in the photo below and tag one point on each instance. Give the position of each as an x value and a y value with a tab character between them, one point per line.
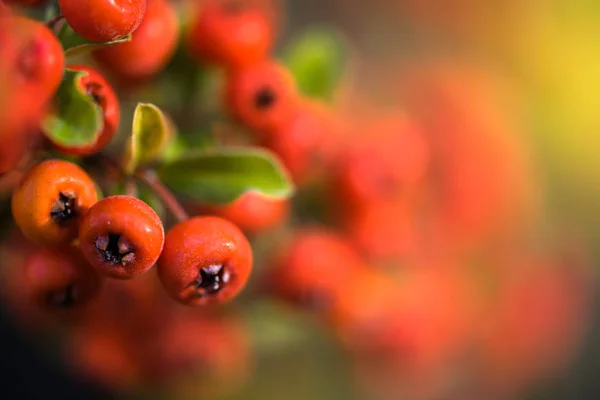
230	33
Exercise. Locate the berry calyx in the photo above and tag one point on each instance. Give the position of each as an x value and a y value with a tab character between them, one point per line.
50	201
206	260
121	236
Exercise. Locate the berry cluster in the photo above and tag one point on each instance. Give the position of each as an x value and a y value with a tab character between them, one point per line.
408	236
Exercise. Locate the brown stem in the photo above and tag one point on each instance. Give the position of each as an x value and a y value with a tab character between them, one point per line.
131	188
51	23
168	199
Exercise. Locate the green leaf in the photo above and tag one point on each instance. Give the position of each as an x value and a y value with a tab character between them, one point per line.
76	120
317	60
150	135
75	45
220	176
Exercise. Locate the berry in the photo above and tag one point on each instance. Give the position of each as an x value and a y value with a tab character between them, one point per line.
151	47
121	236
50	201
103	94
390	162
230	34
59	278
252	212
260	96
313	268
31	69
206	260
103	20
305	140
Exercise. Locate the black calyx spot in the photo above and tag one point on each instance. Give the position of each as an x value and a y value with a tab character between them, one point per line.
64	298
114	250
265	98
94	89
64	209
211	280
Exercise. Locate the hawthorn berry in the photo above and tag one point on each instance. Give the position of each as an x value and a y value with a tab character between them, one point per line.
103	20
260	96
152	45
103	94
31	68
50	201
306	140
59	278
312	268
252	212
206	260
230	33
121	236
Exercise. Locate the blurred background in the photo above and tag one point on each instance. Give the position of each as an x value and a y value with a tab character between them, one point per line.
477	280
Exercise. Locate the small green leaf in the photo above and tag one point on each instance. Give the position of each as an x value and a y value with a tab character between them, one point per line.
75	45
76	119
220	176
317	60
150	135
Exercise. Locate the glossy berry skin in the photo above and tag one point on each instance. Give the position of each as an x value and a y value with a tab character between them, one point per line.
103	20
50	201
104	95
206	260
260	96
252	212
313	268
152	45
121	236
31	68
59	278
230	34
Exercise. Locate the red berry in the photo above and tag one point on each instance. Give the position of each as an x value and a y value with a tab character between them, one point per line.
31	69
260	96
103	94
103	20
206	260
251	212
59	278
306	140
230	33
314	267
50	201
152	45
121	236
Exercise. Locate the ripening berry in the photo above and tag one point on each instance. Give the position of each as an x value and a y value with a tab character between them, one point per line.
103	20
59	278
103	94
230	34
151	47
50	201
252	212
121	236
31	69
306	140
206	260
313	268
260	96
